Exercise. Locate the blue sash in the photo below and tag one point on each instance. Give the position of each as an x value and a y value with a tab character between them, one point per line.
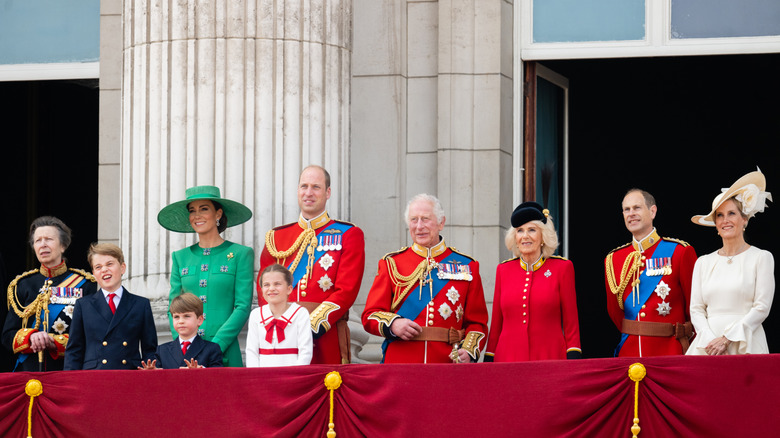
647	286
300	270
413	305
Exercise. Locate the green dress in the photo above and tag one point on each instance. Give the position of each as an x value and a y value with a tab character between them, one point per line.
222	278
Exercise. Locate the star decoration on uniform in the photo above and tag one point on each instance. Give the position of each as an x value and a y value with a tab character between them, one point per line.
325	282
459	313
664	308
548	274
69	310
662	290
445	310
59	326
453	295
326	261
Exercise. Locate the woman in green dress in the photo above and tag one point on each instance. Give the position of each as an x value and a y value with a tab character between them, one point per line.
218	271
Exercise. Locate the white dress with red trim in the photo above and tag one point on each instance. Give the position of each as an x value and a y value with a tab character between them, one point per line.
276	342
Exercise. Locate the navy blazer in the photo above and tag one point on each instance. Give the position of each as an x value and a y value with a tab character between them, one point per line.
207	353
100	340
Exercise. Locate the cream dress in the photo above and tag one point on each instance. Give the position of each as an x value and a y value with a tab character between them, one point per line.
732	299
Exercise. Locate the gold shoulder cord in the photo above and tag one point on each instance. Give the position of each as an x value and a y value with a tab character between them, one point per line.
406	281
629	271
39	304
307	240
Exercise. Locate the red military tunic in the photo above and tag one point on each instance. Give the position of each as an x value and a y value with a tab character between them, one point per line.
333	282
677	302
460	305
534	311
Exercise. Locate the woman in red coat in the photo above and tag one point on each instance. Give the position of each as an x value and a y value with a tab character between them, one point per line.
534	304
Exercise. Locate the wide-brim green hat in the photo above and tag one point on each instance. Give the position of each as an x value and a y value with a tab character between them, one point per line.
176	217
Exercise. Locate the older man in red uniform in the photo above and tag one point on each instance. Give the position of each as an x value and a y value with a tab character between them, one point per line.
649	285
326	258
427	300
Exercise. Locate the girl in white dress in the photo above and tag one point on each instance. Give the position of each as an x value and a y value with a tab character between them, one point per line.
732	288
279	332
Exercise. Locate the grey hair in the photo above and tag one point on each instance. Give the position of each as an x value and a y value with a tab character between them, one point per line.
438	211
549	238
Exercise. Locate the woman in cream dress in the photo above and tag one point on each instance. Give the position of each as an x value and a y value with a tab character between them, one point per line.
732	288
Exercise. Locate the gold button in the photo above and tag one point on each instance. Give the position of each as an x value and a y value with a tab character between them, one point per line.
524	305
62	337
523	321
124	343
105	361
124	361
303	294
642	314
524	313
430	322
430	303
105	343
523	296
643	306
525	290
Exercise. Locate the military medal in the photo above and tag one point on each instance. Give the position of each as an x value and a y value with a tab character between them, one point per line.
659	266
338	242
64	295
319	244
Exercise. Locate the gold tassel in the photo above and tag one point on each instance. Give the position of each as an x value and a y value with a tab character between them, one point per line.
34	388
636	372
332	382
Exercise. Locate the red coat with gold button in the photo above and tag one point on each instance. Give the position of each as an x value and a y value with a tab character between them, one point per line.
679	297
334	281
460	304
534	311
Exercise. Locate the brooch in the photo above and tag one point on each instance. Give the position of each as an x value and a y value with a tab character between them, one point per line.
325	282
445	311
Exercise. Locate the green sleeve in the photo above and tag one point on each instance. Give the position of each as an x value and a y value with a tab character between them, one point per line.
242	298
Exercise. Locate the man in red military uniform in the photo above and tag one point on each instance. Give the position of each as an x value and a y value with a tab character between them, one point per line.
427	300
326	258
649	285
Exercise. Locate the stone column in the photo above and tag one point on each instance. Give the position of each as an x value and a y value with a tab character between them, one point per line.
432	112
239	94
474	166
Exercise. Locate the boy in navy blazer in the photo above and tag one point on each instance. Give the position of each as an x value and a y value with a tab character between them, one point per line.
188	350
111	329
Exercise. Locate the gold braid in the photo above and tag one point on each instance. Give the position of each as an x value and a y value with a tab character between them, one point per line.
307	240
406	281
630	268
40	303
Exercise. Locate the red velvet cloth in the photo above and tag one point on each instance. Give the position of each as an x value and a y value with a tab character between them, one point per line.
681	396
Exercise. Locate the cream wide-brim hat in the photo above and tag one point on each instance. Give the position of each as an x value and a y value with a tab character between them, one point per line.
749	190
